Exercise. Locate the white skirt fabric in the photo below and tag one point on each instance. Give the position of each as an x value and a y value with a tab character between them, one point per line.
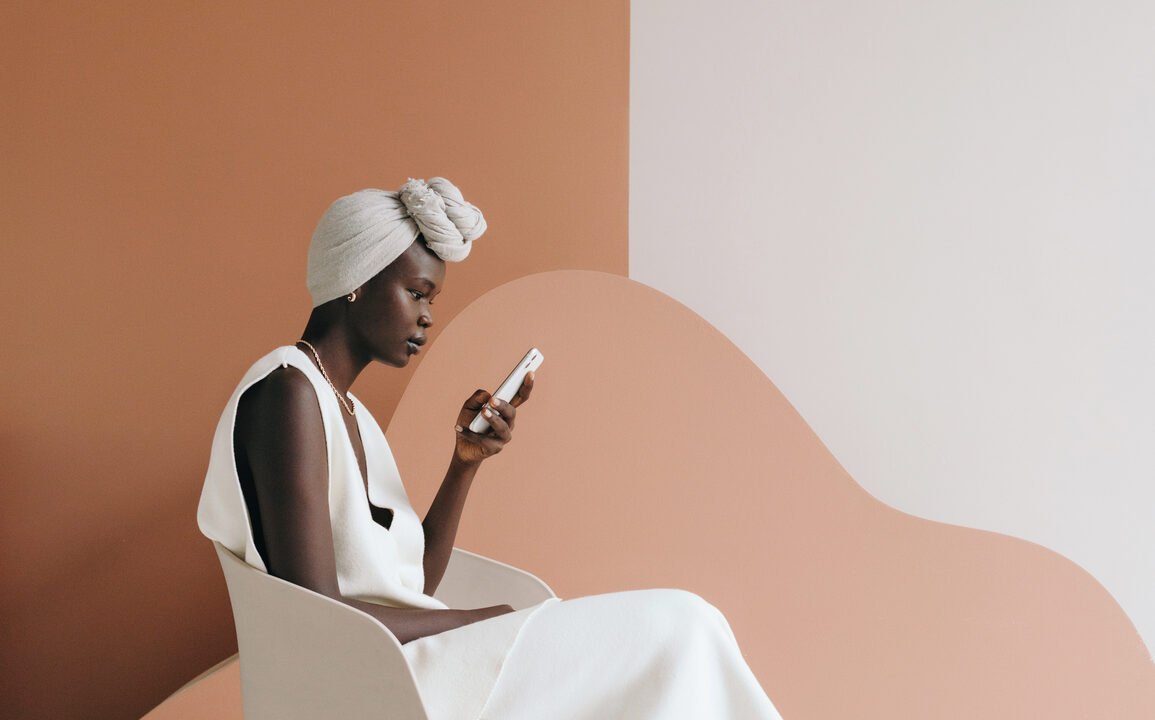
641	655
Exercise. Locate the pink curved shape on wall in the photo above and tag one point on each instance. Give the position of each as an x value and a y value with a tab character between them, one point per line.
216	696
654	453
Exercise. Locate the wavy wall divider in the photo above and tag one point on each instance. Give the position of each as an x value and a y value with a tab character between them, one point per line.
654	453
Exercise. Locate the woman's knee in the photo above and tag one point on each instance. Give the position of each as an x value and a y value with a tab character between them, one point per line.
684	609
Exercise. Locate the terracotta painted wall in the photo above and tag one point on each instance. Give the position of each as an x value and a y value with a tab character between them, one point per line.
163	167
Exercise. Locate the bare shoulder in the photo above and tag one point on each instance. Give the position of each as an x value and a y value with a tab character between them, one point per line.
283	386
282	465
283	404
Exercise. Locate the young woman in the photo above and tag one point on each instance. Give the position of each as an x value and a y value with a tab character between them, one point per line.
302	484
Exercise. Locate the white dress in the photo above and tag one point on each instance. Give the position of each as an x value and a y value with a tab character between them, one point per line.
642	655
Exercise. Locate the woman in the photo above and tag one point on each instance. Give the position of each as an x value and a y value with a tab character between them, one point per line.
302	484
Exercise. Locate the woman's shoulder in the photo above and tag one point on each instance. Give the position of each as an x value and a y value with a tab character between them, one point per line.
280	378
278	385
284	381
285	361
284	357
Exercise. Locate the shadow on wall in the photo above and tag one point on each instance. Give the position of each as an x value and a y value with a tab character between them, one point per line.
654	453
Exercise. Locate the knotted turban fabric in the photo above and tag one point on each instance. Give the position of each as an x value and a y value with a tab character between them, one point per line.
360	234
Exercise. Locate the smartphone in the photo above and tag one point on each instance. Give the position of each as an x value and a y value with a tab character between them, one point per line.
509	388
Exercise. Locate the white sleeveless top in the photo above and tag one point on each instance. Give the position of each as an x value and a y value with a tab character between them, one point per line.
374	564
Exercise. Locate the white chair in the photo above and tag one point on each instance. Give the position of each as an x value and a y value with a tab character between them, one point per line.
304	656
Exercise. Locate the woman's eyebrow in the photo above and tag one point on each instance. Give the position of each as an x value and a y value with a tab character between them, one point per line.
429	284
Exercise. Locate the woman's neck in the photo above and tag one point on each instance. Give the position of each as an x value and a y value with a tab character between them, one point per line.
335	351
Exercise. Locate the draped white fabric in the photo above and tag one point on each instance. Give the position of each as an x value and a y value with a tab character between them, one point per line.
639	655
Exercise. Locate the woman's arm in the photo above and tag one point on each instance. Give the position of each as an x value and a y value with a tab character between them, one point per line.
440	524
280	447
444	514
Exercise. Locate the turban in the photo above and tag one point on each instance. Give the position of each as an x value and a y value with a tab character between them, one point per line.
360	234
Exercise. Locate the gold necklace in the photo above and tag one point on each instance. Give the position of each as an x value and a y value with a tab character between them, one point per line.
345	403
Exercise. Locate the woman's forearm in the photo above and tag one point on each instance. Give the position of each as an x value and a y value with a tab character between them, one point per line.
409	623
470	450
443	518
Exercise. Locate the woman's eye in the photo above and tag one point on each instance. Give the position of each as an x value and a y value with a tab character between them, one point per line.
416	294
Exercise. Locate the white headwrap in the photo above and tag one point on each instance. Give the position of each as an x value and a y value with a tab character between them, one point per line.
360	234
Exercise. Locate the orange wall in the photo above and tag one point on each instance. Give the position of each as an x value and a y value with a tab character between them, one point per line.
163	169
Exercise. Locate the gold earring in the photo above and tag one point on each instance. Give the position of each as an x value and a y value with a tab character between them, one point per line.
352	296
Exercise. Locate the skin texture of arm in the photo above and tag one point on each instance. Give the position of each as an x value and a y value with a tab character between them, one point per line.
444	514
282	461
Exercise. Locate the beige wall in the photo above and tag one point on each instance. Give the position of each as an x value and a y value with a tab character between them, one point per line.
163	169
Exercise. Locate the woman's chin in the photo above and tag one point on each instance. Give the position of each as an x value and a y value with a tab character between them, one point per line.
397	361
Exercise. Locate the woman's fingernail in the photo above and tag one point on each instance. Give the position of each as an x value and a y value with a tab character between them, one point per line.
458	428
487	412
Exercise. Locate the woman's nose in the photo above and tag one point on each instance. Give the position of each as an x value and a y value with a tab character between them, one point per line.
426	319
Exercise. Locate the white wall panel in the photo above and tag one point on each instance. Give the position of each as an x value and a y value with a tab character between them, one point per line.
932	224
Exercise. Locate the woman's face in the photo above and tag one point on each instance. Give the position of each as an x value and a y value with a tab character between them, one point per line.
392	310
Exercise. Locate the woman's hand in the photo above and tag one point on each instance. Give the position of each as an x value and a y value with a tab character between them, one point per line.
474	447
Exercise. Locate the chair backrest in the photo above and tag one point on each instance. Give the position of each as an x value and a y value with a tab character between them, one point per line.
306	656
473	581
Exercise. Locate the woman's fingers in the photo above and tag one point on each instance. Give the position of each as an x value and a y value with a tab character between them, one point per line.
497	422
472	406
524	391
476	400
507	410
